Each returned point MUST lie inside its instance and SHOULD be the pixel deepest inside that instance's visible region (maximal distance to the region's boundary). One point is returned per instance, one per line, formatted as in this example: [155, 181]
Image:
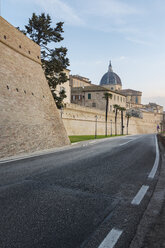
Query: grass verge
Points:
[77, 138]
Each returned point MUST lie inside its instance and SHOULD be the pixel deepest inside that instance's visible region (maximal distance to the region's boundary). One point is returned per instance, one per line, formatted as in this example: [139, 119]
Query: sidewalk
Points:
[151, 229]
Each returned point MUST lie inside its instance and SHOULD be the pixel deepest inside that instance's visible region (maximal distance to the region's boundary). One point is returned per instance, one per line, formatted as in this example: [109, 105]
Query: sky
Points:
[130, 33]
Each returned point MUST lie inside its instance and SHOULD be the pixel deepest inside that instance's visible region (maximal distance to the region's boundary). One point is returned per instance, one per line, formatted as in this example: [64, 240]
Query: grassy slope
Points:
[78, 138]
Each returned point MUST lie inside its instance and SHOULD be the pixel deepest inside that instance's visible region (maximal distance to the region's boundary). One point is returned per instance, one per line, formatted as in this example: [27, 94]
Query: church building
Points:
[112, 81]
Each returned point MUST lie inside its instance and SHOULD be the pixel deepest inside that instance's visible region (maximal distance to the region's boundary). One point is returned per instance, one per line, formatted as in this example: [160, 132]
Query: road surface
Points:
[91, 195]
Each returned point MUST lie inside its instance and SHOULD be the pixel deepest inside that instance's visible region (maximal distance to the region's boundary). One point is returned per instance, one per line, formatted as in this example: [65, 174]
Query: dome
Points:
[110, 78]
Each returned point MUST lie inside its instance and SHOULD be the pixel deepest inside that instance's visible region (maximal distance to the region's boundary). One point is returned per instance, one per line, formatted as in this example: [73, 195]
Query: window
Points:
[111, 88]
[118, 98]
[74, 98]
[110, 108]
[136, 99]
[89, 96]
[94, 104]
[121, 99]
[79, 97]
[114, 97]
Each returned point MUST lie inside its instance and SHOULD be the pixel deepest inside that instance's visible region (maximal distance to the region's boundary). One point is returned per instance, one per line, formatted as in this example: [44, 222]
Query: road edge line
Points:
[153, 209]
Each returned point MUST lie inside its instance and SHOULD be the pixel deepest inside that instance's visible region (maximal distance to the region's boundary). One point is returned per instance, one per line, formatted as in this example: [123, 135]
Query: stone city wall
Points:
[29, 119]
[80, 120]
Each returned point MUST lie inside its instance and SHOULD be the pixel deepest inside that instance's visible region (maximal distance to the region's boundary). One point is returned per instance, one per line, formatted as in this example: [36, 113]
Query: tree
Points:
[128, 116]
[54, 60]
[60, 98]
[106, 96]
[122, 109]
[116, 108]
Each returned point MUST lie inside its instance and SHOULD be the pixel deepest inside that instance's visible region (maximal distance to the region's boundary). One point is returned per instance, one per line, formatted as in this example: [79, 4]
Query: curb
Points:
[153, 209]
[54, 150]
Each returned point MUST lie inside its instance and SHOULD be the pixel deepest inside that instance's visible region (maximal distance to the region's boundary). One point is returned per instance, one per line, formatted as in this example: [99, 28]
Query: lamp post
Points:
[61, 110]
[96, 126]
[111, 126]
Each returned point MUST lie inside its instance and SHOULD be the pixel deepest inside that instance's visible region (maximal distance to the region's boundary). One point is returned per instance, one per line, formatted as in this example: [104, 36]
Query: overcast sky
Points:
[130, 33]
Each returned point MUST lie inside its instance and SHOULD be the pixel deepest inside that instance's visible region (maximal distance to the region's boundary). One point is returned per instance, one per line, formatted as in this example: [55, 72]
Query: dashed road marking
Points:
[111, 239]
[125, 143]
[139, 196]
[155, 167]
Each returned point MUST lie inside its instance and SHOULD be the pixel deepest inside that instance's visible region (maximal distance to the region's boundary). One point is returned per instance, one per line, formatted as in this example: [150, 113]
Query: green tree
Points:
[107, 96]
[122, 109]
[60, 98]
[116, 108]
[53, 59]
[128, 116]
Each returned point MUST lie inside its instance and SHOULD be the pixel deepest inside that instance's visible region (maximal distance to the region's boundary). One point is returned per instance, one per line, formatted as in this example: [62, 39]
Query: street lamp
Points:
[111, 126]
[96, 126]
[61, 110]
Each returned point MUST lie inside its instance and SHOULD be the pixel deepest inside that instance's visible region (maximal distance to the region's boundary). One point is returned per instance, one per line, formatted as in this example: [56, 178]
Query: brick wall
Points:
[29, 119]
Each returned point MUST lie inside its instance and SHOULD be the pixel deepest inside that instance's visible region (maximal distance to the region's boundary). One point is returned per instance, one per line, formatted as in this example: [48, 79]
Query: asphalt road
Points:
[83, 196]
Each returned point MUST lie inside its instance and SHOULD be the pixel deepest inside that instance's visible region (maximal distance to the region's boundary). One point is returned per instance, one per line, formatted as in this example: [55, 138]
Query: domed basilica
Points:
[111, 80]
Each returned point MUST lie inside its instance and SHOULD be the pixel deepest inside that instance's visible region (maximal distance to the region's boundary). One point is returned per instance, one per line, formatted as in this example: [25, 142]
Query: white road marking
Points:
[141, 193]
[111, 239]
[125, 143]
[75, 143]
[92, 142]
[155, 167]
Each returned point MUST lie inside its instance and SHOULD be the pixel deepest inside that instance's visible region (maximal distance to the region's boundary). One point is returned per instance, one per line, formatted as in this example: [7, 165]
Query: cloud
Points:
[138, 41]
[62, 11]
[110, 8]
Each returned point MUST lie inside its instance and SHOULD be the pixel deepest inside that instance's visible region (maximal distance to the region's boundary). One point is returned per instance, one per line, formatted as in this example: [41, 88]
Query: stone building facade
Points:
[133, 98]
[29, 119]
[66, 86]
[153, 107]
[79, 81]
[93, 97]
